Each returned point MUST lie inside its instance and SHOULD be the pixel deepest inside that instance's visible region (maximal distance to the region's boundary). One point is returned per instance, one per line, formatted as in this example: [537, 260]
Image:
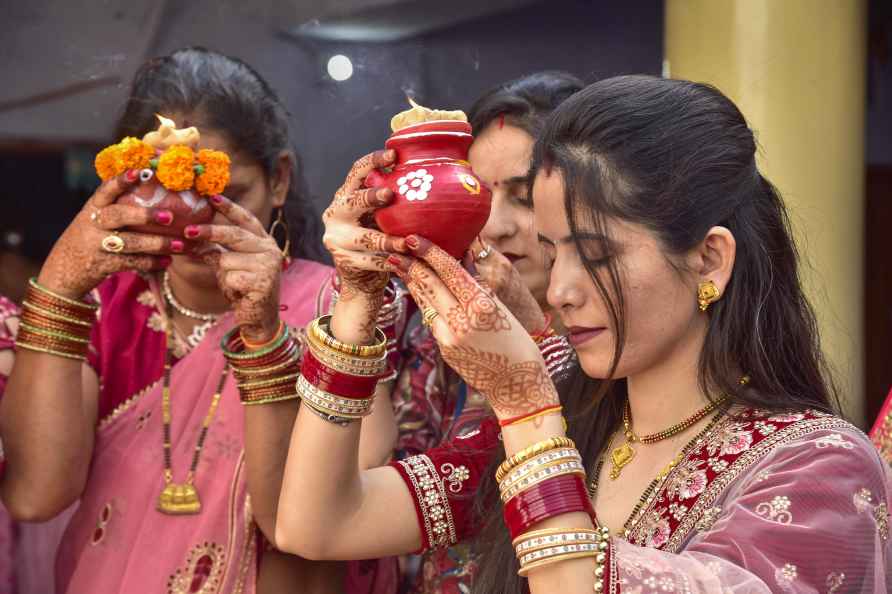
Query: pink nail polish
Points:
[191, 231]
[177, 246]
[164, 217]
[217, 199]
[132, 175]
[412, 242]
[164, 261]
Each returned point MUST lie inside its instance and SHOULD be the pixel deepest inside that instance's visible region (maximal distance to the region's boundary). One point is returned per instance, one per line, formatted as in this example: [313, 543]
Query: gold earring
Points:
[281, 222]
[707, 293]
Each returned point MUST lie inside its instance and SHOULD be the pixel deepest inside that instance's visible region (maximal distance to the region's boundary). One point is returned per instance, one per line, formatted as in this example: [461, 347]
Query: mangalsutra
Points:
[182, 498]
[199, 330]
[624, 454]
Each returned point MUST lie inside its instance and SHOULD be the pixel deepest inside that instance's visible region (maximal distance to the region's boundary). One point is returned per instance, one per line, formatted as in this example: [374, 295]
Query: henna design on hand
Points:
[511, 388]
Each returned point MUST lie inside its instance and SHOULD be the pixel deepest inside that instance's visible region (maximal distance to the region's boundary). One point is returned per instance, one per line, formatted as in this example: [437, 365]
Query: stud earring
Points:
[707, 294]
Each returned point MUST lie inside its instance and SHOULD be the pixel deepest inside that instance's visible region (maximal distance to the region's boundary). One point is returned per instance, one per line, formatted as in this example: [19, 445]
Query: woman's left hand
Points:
[248, 269]
[478, 337]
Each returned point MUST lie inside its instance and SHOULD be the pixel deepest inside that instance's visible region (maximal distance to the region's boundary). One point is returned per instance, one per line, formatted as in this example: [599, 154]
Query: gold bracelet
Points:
[547, 533]
[20, 344]
[269, 399]
[534, 450]
[52, 294]
[346, 363]
[321, 329]
[536, 464]
[549, 472]
[525, 569]
[275, 381]
[26, 305]
[346, 407]
[63, 336]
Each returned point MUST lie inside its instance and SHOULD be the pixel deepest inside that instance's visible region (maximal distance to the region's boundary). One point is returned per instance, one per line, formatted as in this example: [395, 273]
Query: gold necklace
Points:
[657, 482]
[624, 454]
[182, 498]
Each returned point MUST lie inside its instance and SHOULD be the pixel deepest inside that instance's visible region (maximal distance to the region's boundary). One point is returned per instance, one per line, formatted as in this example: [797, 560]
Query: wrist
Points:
[261, 336]
[57, 282]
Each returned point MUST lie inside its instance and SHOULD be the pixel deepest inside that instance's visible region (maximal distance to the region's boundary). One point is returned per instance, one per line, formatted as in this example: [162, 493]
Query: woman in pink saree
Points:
[116, 432]
[696, 450]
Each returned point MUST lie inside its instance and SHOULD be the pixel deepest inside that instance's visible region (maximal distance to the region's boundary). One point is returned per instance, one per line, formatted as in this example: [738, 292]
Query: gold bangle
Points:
[26, 305]
[332, 404]
[537, 463]
[275, 381]
[24, 345]
[74, 302]
[322, 330]
[546, 474]
[552, 532]
[51, 334]
[269, 399]
[525, 569]
[534, 450]
[345, 363]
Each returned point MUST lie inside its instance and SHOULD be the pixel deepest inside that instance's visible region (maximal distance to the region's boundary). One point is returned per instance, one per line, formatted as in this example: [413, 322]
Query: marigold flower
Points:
[175, 168]
[108, 162]
[135, 154]
[215, 176]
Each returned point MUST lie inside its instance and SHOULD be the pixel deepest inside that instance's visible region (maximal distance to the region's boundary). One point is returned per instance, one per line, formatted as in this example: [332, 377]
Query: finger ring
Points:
[428, 315]
[484, 253]
[113, 243]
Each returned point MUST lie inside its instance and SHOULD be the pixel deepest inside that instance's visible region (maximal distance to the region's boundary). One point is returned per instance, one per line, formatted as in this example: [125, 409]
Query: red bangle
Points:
[336, 382]
[539, 411]
[553, 497]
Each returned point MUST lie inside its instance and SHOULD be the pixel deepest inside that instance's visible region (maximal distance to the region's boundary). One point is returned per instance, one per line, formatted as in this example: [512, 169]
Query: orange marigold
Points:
[215, 176]
[175, 168]
[108, 162]
[135, 154]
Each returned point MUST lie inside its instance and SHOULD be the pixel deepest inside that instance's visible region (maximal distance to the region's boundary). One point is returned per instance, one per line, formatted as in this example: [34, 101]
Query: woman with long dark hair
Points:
[701, 452]
[172, 474]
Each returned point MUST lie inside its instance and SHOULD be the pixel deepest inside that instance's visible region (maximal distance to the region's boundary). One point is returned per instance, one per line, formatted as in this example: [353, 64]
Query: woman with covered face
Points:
[702, 452]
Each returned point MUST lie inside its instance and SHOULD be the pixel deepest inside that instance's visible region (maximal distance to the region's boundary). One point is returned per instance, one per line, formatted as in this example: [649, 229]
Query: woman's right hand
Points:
[78, 263]
[360, 252]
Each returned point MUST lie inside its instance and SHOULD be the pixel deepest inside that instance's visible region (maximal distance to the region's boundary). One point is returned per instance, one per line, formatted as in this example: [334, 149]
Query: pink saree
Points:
[881, 434]
[118, 541]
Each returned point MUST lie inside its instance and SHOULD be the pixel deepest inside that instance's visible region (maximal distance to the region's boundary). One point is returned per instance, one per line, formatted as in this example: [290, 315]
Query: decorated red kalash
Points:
[436, 195]
[174, 175]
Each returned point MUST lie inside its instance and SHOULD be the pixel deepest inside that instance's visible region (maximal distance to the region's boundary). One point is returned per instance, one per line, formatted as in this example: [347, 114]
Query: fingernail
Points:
[383, 196]
[390, 154]
[177, 246]
[164, 217]
[132, 175]
[164, 261]
[217, 199]
[191, 231]
[412, 242]
[396, 261]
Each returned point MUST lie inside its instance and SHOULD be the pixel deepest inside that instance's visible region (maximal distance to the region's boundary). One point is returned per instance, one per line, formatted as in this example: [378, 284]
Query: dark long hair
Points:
[678, 158]
[227, 95]
[524, 102]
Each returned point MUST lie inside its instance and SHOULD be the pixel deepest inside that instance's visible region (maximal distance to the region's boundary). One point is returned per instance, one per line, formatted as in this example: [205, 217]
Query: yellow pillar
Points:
[796, 69]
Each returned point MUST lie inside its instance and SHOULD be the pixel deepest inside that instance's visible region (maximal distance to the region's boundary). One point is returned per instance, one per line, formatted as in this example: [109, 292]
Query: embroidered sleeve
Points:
[443, 483]
[813, 516]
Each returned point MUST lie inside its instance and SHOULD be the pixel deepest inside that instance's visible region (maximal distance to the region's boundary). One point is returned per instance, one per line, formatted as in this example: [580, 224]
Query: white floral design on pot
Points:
[415, 185]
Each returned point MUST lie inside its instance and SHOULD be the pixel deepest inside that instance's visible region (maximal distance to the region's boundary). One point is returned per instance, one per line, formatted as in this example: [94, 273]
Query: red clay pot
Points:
[188, 208]
[437, 196]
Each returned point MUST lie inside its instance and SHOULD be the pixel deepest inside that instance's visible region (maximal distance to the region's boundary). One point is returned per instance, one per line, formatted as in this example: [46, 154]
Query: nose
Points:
[500, 225]
[564, 290]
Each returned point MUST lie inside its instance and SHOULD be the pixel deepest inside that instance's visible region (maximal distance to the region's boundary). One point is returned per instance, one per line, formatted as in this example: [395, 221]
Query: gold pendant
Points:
[178, 499]
[620, 457]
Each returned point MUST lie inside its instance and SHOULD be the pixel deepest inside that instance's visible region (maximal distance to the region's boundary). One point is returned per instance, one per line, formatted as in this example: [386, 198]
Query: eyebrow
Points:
[582, 236]
[516, 180]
